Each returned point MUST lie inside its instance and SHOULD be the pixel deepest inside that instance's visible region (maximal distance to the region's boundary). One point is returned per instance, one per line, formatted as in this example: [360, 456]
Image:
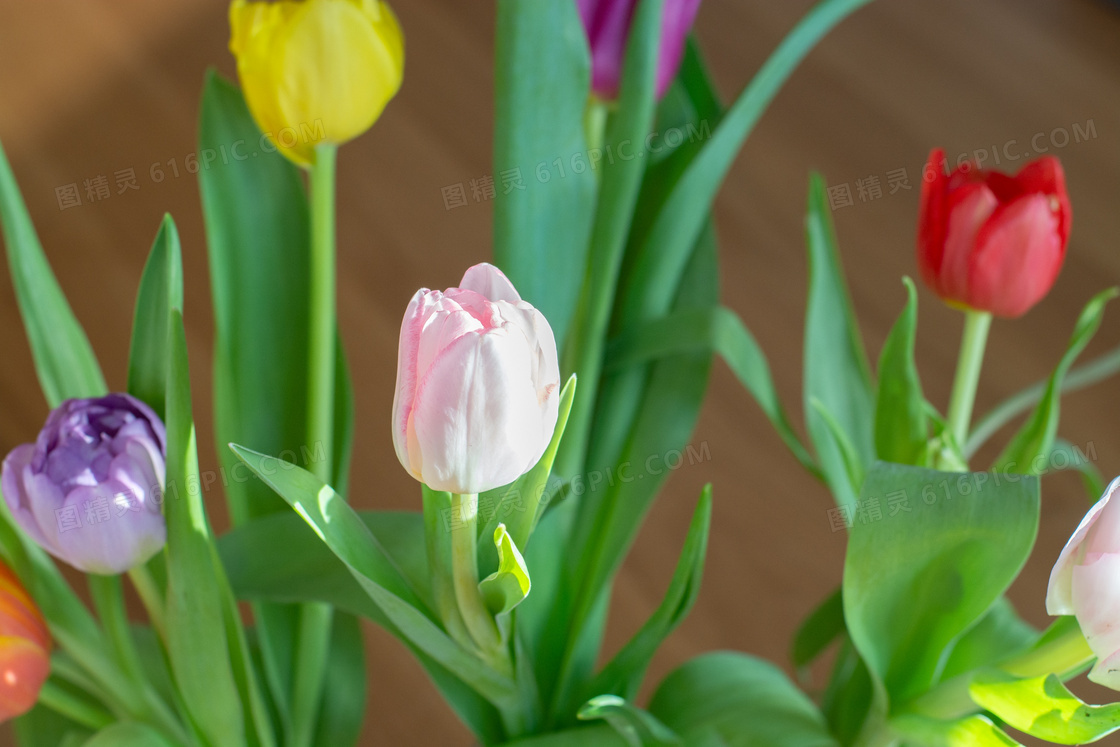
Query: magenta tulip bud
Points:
[608, 22]
[90, 489]
[477, 385]
[1086, 583]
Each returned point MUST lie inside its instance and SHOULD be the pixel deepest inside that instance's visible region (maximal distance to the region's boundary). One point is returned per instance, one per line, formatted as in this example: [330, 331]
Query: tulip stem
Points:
[108, 599]
[322, 333]
[313, 636]
[151, 598]
[464, 570]
[973, 341]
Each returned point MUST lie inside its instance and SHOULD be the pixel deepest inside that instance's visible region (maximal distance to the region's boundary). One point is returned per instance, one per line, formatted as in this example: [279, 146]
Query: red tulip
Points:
[989, 241]
[24, 648]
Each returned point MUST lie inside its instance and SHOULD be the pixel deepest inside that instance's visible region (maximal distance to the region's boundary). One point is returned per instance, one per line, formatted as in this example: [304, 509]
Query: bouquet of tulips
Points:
[584, 348]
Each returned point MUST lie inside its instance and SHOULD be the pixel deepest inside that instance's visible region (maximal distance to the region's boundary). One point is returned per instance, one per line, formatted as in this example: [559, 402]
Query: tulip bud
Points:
[24, 648]
[477, 385]
[89, 489]
[989, 241]
[608, 22]
[316, 71]
[1086, 582]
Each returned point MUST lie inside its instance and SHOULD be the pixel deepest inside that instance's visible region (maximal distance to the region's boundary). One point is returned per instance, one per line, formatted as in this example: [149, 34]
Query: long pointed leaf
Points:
[836, 370]
[63, 357]
[901, 423]
[623, 675]
[161, 289]
[1036, 437]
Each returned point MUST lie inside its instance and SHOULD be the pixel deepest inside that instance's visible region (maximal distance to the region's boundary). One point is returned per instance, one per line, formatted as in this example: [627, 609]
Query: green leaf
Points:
[543, 72]
[1043, 707]
[1036, 437]
[973, 731]
[308, 571]
[741, 700]
[637, 727]
[339, 527]
[623, 675]
[850, 459]
[63, 357]
[836, 370]
[161, 289]
[344, 691]
[196, 630]
[661, 424]
[585, 736]
[665, 242]
[823, 626]
[999, 635]
[1072, 457]
[850, 694]
[718, 330]
[42, 726]
[504, 589]
[901, 423]
[127, 734]
[915, 582]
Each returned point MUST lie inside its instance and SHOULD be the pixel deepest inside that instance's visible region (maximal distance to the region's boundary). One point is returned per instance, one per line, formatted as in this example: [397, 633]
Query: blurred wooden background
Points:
[89, 88]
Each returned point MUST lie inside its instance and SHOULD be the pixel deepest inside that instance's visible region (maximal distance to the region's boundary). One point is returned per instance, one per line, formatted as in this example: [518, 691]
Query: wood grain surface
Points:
[91, 88]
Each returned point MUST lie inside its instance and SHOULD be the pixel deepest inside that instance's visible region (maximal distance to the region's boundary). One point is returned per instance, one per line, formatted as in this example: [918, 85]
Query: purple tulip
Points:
[89, 489]
[608, 27]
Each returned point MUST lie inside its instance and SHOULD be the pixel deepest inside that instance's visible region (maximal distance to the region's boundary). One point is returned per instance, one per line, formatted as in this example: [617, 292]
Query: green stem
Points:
[464, 571]
[151, 598]
[583, 352]
[973, 341]
[321, 315]
[77, 709]
[313, 638]
[108, 599]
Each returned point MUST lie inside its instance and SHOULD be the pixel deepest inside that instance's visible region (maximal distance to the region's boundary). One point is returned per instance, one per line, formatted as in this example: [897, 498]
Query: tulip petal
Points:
[477, 418]
[677, 18]
[1096, 597]
[490, 282]
[408, 349]
[932, 219]
[1059, 594]
[13, 487]
[969, 208]
[112, 538]
[1017, 258]
[24, 667]
[1106, 671]
[333, 69]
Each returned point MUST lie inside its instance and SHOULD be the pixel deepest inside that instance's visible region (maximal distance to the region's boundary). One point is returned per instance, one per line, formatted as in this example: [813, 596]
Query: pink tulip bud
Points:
[24, 648]
[477, 385]
[1086, 583]
[607, 23]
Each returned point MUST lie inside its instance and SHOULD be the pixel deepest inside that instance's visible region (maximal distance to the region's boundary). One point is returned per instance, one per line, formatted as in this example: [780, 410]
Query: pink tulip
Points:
[477, 385]
[1086, 583]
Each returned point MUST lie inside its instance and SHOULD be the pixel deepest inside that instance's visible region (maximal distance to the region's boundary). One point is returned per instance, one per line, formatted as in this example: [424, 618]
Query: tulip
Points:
[477, 385]
[1086, 582]
[24, 648]
[316, 71]
[89, 490]
[607, 23]
[992, 242]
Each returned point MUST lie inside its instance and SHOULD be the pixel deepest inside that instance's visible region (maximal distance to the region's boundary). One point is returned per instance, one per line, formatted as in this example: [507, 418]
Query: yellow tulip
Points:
[316, 71]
